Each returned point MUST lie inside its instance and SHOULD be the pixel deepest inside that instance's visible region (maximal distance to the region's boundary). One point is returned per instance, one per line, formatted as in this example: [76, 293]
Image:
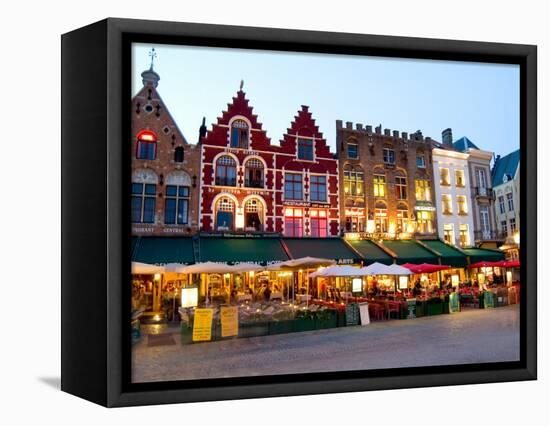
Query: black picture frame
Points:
[95, 217]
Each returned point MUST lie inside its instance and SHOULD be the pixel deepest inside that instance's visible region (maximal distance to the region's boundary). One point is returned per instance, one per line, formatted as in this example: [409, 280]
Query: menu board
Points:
[230, 320]
[352, 314]
[202, 324]
[454, 303]
[364, 313]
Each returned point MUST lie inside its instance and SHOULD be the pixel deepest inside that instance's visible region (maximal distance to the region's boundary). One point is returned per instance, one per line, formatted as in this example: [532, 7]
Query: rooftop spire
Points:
[152, 55]
[150, 77]
[241, 86]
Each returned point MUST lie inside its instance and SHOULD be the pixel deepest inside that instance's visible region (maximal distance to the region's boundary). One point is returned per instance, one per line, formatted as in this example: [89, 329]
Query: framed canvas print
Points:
[253, 212]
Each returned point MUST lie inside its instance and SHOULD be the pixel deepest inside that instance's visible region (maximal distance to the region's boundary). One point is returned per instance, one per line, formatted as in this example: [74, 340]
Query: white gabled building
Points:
[453, 196]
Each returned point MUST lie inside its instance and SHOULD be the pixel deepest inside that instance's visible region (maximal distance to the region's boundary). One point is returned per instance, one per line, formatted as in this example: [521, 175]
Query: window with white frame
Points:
[318, 223]
[510, 199]
[293, 186]
[501, 204]
[239, 134]
[318, 188]
[294, 225]
[449, 233]
[388, 156]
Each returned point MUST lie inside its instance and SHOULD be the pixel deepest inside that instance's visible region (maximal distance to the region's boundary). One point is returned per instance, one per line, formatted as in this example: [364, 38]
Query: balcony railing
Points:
[489, 235]
[484, 192]
[249, 183]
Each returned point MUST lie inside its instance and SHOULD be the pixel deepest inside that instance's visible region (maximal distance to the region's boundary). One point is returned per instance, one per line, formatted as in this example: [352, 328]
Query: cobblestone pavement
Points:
[472, 336]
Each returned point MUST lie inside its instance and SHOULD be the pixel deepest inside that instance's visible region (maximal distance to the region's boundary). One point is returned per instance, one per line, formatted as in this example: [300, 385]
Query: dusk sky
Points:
[480, 101]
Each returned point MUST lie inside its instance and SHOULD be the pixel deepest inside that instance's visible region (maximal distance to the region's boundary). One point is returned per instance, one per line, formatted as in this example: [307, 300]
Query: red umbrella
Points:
[425, 268]
[509, 263]
[484, 264]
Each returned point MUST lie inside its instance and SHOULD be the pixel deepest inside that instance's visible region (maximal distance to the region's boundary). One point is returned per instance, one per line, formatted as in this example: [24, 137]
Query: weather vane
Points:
[242, 84]
[152, 55]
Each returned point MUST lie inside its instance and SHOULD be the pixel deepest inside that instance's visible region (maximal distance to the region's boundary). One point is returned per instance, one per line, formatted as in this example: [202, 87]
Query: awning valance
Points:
[326, 248]
[449, 254]
[163, 250]
[483, 255]
[370, 252]
[254, 250]
[409, 251]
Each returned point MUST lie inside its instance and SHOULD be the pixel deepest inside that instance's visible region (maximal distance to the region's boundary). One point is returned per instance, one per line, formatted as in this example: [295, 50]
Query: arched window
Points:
[146, 145]
[226, 171]
[253, 215]
[225, 214]
[178, 154]
[239, 134]
[176, 201]
[254, 173]
[144, 194]
[381, 217]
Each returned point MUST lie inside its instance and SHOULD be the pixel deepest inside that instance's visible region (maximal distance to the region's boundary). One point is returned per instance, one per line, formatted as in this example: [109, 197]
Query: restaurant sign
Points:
[230, 320]
[454, 303]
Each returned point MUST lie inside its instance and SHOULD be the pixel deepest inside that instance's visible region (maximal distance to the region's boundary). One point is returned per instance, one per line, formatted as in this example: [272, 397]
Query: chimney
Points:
[447, 137]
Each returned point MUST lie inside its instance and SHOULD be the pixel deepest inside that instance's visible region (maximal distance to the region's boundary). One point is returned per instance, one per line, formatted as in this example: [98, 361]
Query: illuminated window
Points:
[381, 217]
[462, 206]
[146, 146]
[293, 222]
[226, 171]
[459, 178]
[253, 215]
[254, 173]
[354, 182]
[293, 186]
[402, 218]
[424, 221]
[239, 134]
[318, 188]
[318, 223]
[422, 190]
[401, 187]
[379, 185]
[355, 220]
[447, 204]
[225, 214]
[449, 233]
[464, 236]
[444, 177]
[305, 149]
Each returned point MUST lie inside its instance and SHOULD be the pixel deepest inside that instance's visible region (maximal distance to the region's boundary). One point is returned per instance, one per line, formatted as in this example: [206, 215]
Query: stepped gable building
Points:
[249, 185]
[387, 186]
[165, 167]
[307, 181]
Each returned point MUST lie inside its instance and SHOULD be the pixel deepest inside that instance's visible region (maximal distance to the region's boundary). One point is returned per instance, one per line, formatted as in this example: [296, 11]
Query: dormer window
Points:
[305, 149]
[239, 134]
[146, 146]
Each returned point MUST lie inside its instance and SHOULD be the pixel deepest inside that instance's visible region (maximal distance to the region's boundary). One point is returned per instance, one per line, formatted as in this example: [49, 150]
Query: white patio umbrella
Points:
[205, 268]
[340, 271]
[377, 269]
[247, 267]
[398, 270]
[306, 262]
[146, 268]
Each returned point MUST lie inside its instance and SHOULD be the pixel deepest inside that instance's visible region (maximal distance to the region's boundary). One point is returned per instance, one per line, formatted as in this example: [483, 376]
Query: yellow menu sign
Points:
[230, 321]
[202, 325]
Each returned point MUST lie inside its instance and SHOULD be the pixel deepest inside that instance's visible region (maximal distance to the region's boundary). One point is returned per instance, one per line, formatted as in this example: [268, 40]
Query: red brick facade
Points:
[244, 177]
[165, 168]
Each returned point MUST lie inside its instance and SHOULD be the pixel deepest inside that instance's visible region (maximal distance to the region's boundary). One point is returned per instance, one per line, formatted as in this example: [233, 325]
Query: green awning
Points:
[487, 255]
[326, 248]
[449, 254]
[371, 252]
[162, 250]
[409, 251]
[231, 249]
